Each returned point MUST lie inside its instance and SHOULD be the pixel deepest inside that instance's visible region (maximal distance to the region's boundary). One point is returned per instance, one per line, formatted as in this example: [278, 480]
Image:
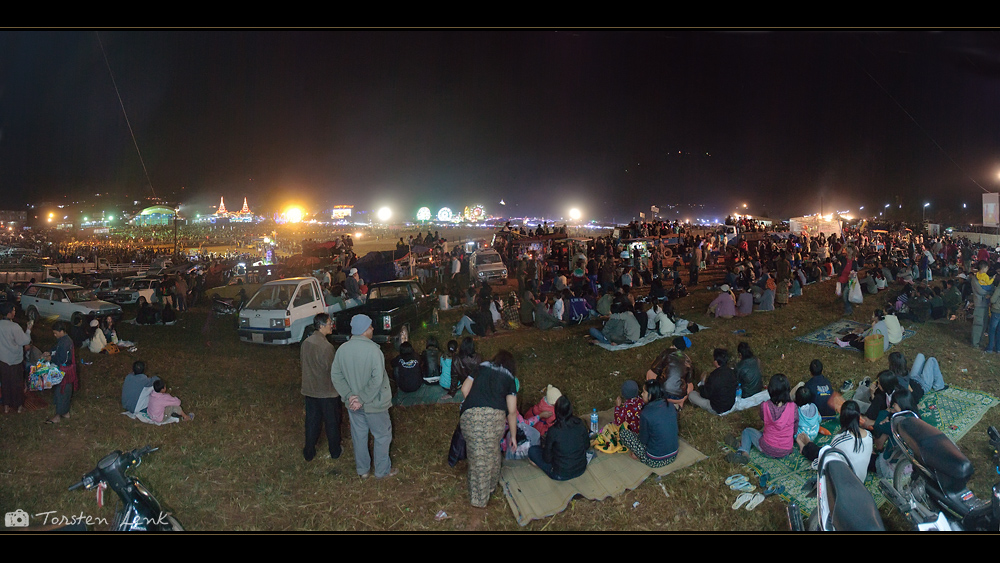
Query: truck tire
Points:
[403, 336]
[77, 317]
[32, 314]
[667, 253]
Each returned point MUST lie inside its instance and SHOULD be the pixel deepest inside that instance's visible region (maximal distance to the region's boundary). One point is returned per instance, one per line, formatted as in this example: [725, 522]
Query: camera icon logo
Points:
[16, 519]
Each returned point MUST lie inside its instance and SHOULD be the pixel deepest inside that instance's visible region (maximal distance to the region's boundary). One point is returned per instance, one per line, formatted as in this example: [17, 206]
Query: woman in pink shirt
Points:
[162, 404]
[781, 418]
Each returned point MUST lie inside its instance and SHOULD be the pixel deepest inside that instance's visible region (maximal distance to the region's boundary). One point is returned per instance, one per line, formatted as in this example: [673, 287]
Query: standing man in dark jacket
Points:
[322, 400]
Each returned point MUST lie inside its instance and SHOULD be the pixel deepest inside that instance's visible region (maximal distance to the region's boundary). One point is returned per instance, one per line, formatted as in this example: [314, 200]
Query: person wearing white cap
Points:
[360, 378]
[352, 285]
[724, 306]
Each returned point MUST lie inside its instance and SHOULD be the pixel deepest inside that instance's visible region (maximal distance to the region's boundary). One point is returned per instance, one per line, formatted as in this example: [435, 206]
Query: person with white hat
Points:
[724, 306]
[360, 378]
[352, 285]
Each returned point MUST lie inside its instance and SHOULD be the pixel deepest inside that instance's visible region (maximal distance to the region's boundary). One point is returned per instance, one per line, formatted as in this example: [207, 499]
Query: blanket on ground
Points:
[532, 495]
[827, 335]
[681, 329]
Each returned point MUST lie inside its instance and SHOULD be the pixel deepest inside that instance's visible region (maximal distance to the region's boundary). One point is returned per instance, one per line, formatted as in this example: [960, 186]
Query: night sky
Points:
[608, 121]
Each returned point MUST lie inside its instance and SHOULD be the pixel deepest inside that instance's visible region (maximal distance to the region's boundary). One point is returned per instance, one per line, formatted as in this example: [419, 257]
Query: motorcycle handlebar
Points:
[135, 455]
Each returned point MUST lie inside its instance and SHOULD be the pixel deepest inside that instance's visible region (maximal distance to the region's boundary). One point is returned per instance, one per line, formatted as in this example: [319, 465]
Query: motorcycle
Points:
[138, 511]
[929, 478]
[223, 307]
[843, 504]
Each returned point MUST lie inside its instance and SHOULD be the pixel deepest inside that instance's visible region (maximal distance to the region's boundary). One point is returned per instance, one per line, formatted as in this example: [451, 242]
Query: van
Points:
[280, 311]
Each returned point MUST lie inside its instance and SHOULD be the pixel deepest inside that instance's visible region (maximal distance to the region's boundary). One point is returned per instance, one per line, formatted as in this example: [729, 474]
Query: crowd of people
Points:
[932, 279]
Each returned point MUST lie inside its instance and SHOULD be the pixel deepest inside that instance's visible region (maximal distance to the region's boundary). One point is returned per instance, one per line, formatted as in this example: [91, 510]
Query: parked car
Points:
[138, 286]
[66, 302]
[486, 265]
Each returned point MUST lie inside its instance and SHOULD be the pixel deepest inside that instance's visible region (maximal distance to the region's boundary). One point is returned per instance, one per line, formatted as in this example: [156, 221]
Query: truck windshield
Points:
[487, 259]
[272, 297]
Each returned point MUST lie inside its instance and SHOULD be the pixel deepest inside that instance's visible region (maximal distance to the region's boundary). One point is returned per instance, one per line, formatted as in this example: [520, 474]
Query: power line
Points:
[127, 122]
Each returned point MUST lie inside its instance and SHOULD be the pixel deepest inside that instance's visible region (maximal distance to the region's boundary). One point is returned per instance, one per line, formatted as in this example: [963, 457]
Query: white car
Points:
[66, 302]
[138, 287]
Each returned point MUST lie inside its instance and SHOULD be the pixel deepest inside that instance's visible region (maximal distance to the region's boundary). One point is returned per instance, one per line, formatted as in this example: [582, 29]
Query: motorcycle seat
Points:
[854, 509]
[936, 452]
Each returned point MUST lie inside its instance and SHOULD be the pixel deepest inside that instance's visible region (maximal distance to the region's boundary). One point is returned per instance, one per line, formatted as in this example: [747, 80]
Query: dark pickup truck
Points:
[394, 307]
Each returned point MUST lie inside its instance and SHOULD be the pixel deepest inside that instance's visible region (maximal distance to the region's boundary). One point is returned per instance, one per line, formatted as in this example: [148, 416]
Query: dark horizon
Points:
[610, 122]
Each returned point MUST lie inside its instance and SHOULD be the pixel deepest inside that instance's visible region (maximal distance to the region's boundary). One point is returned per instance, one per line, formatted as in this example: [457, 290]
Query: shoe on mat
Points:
[763, 479]
[847, 386]
[772, 490]
[738, 458]
[741, 500]
[744, 486]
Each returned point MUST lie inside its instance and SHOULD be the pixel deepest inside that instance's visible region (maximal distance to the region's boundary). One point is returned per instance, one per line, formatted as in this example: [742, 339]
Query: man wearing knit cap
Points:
[358, 373]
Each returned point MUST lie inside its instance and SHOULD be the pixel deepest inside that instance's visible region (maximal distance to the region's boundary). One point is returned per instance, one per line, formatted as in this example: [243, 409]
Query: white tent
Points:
[813, 225]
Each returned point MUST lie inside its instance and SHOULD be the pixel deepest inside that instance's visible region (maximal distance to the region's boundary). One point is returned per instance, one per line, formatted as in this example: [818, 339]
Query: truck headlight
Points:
[277, 323]
[244, 321]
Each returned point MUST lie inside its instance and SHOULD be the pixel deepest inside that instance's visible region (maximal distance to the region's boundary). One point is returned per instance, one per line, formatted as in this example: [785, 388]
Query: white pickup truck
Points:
[281, 309]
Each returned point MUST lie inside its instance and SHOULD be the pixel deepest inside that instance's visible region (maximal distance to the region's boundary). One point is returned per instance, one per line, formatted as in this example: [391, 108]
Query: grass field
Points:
[238, 465]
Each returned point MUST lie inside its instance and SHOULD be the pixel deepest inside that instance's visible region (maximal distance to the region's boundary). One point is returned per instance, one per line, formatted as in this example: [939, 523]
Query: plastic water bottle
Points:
[739, 391]
[593, 422]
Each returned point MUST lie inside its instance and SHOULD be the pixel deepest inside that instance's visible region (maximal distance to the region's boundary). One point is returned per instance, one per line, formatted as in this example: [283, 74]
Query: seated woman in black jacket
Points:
[563, 453]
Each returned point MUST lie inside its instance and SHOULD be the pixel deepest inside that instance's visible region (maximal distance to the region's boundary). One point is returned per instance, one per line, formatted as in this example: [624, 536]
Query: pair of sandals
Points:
[740, 482]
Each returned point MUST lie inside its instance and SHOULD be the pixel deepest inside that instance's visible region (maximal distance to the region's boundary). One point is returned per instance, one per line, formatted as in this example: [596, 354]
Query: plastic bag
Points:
[838, 289]
[44, 375]
[855, 296]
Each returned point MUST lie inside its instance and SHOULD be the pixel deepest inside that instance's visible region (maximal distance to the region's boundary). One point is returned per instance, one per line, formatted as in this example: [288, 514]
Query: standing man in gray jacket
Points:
[321, 397]
[359, 375]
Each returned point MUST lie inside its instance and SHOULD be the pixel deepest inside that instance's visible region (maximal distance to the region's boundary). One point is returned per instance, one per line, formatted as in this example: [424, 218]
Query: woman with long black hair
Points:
[563, 453]
[854, 441]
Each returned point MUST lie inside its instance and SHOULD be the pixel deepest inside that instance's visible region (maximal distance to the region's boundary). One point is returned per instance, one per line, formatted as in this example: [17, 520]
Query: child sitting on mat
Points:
[809, 417]
[542, 415]
[628, 406]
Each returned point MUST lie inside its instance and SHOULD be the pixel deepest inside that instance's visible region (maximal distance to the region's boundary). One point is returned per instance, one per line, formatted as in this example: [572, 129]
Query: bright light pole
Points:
[924, 218]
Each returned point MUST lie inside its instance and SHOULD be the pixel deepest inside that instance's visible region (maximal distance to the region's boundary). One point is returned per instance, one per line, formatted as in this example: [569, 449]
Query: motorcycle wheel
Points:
[901, 478]
[175, 526]
[812, 523]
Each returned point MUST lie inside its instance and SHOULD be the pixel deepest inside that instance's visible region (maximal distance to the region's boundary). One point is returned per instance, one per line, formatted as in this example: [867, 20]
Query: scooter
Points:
[843, 504]
[139, 511]
[929, 477]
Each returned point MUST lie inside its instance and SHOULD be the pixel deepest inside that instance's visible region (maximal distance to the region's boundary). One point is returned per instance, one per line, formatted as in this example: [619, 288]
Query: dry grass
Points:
[238, 466]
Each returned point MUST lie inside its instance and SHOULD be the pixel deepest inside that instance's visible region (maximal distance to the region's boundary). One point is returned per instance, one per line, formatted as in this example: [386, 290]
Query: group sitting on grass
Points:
[864, 421]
